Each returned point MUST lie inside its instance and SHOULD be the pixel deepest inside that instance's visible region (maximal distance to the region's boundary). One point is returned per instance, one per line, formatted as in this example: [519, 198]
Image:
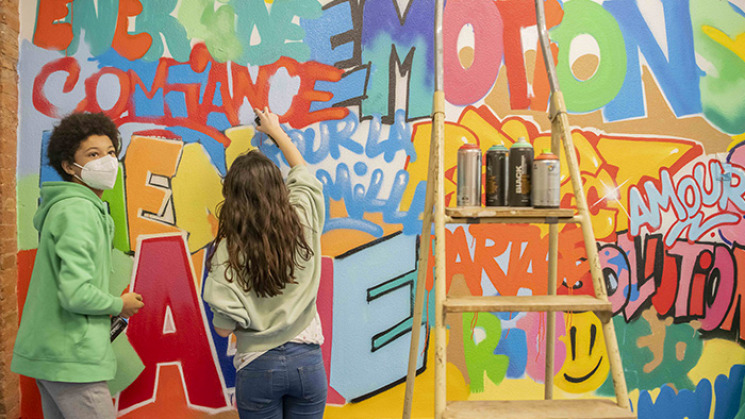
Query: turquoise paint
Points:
[98, 24]
[382, 56]
[156, 20]
[279, 36]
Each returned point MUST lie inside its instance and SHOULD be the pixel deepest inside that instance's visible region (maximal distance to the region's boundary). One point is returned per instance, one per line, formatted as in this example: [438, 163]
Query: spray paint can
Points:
[469, 175]
[546, 180]
[496, 176]
[519, 174]
[118, 324]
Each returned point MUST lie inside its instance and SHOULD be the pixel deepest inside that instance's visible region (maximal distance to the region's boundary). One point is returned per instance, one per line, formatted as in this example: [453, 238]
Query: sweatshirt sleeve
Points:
[77, 239]
[306, 192]
[224, 301]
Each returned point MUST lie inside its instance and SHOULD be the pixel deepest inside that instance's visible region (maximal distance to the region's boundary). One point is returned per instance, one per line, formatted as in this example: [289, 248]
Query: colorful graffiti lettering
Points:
[201, 94]
[688, 281]
[479, 348]
[107, 26]
[176, 328]
[657, 352]
[377, 351]
[690, 198]
[656, 97]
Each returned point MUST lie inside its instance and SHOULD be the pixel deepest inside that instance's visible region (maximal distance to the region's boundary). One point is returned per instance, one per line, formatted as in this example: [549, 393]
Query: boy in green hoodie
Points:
[63, 340]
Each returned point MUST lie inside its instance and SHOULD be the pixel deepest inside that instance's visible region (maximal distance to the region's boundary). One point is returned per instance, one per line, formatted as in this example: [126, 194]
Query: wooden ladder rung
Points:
[514, 215]
[533, 303]
[548, 409]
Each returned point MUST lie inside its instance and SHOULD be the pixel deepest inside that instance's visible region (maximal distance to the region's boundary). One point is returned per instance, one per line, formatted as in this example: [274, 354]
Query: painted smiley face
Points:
[586, 365]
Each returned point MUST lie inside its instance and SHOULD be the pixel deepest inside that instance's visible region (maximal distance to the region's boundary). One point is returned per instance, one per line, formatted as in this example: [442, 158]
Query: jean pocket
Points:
[313, 382]
[253, 389]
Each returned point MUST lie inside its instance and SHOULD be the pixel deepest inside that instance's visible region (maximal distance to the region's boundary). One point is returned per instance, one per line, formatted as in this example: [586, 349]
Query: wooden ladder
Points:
[551, 303]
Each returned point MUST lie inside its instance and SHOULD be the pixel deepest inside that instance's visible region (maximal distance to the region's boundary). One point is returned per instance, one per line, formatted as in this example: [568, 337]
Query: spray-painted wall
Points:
[656, 91]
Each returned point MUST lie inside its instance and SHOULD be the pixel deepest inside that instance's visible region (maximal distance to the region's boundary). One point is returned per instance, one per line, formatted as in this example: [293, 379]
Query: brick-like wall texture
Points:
[9, 26]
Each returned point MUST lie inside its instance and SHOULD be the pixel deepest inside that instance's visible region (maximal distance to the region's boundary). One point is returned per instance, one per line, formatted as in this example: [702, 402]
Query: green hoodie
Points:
[64, 331]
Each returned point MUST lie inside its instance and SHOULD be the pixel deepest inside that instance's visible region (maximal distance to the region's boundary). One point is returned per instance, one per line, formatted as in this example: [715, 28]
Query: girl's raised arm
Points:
[268, 123]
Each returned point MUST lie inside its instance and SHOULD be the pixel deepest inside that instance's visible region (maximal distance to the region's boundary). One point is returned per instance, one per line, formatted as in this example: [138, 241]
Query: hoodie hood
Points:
[54, 192]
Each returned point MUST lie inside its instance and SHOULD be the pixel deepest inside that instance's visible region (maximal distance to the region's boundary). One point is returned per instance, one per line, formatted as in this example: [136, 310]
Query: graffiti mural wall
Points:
[656, 94]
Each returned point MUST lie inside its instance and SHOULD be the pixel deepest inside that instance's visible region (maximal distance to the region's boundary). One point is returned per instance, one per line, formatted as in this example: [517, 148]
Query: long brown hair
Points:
[262, 231]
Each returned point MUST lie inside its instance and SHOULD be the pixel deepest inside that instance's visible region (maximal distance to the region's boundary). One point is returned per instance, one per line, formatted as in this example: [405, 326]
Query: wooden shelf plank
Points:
[467, 212]
[548, 409]
[509, 215]
[534, 303]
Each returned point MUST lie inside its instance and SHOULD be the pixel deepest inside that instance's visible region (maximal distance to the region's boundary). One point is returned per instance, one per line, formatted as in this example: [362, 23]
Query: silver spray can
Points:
[469, 176]
[546, 180]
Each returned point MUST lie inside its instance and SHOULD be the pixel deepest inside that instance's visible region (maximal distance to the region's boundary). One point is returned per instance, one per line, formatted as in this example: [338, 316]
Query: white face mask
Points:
[100, 173]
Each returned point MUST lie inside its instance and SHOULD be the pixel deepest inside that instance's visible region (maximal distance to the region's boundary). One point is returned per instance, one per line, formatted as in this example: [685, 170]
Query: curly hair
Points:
[262, 230]
[73, 130]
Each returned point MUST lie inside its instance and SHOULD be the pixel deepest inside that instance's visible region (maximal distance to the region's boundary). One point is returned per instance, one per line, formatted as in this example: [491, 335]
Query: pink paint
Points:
[535, 338]
[325, 306]
[724, 264]
[465, 86]
[732, 232]
[689, 259]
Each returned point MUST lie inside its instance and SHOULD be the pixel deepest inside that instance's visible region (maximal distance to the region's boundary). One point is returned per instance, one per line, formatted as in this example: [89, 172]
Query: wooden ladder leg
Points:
[553, 261]
[438, 128]
[435, 196]
[553, 255]
[440, 279]
[561, 124]
[421, 279]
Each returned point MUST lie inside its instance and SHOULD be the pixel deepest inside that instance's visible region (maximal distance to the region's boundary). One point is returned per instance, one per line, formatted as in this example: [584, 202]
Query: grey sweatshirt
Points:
[264, 323]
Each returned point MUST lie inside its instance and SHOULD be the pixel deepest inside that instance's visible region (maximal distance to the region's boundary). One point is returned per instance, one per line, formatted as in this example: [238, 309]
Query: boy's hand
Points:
[132, 304]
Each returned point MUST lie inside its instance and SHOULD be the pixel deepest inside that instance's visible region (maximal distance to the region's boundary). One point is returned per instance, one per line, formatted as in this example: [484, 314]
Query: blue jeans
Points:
[288, 381]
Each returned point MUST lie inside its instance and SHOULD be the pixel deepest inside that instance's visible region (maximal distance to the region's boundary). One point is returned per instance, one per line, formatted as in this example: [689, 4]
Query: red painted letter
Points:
[164, 277]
